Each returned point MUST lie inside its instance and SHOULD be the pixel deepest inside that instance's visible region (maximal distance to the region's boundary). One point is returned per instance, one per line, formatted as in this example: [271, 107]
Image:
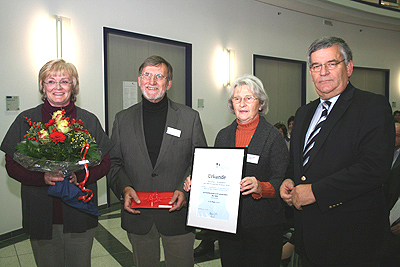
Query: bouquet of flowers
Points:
[61, 145]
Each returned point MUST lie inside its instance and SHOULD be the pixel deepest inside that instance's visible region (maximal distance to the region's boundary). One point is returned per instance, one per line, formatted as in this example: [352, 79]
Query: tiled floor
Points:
[111, 246]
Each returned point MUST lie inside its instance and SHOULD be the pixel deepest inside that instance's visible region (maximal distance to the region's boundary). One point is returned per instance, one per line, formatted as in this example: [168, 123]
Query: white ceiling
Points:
[344, 11]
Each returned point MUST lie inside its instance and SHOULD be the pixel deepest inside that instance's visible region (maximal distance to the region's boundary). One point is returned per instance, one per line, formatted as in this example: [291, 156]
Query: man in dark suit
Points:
[154, 142]
[335, 175]
[392, 193]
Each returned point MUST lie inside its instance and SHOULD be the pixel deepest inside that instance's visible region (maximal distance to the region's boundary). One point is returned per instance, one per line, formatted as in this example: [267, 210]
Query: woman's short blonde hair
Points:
[59, 67]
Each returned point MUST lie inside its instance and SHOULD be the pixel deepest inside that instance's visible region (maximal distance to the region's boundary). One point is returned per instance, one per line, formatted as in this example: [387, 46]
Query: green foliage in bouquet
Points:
[60, 139]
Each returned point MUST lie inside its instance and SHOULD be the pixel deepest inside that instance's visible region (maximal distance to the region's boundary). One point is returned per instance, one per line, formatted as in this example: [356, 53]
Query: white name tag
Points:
[253, 158]
[174, 132]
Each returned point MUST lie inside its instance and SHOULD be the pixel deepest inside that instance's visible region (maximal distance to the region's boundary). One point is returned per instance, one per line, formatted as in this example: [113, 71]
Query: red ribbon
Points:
[154, 198]
[81, 185]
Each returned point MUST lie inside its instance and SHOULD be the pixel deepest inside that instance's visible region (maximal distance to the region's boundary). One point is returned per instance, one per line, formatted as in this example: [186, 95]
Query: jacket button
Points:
[153, 175]
[303, 178]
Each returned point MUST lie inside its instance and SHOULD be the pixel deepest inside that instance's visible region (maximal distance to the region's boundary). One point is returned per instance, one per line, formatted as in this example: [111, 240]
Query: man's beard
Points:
[159, 95]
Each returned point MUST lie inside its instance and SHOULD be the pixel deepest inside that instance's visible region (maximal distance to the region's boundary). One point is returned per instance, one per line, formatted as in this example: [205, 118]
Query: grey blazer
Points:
[269, 145]
[131, 165]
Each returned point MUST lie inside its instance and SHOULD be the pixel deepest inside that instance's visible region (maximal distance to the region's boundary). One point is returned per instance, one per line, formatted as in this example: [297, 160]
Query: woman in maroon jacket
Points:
[60, 234]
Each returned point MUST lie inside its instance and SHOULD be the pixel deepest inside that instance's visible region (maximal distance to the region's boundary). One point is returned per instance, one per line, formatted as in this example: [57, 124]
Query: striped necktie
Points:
[311, 139]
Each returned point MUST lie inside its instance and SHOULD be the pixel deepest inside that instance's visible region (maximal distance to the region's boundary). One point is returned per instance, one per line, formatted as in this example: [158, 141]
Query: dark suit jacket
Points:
[349, 163]
[269, 145]
[131, 165]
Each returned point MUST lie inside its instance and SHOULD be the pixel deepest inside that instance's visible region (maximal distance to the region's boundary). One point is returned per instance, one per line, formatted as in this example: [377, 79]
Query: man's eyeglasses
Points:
[157, 77]
[330, 66]
[248, 99]
[62, 83]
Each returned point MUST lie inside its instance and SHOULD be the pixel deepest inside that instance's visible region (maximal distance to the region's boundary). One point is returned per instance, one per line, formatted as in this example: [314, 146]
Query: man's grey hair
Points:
[329, 41]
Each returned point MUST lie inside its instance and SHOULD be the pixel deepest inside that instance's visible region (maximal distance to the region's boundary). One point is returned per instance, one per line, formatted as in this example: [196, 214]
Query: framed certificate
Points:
[215, 190]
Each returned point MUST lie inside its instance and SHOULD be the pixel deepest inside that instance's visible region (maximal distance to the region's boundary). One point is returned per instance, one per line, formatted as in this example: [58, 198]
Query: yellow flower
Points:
[62, 126]
[57, 116]
[43, 136]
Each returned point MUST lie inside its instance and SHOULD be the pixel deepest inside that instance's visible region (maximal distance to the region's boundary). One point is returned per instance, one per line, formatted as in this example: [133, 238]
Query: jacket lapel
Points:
[172, 121]
[231, 137]
[260, 136]
[138, 132]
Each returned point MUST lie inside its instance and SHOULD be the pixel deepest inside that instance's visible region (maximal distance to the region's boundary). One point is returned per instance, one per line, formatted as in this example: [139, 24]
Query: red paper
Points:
[153, 200]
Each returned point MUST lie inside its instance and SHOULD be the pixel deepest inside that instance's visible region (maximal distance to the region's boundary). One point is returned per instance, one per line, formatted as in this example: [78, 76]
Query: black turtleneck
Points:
[154, 118]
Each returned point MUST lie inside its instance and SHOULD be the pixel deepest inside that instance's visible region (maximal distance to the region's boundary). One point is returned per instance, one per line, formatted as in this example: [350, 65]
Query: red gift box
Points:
[153, 200]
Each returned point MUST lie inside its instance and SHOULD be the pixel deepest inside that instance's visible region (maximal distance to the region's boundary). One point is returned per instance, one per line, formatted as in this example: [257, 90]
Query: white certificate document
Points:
[215, 191]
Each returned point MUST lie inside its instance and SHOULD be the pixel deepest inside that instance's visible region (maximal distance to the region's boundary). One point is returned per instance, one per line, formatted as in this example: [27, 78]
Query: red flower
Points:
[50, 123]
[57, 137]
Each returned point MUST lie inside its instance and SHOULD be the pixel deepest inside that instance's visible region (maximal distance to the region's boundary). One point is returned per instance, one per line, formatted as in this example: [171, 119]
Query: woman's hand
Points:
[250, 185]
[50, 179]
[73, 179]
[188, 184]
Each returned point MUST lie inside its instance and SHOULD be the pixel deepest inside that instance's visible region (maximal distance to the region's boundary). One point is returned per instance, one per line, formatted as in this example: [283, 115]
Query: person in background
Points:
[396, 116]
[258, 241]
[392, 194]
[282, 128]
[290, 125]
[154, 144]
[337, 167]
[60, 235]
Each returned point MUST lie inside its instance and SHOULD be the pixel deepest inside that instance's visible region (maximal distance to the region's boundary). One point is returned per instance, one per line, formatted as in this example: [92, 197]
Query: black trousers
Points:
[260, 246]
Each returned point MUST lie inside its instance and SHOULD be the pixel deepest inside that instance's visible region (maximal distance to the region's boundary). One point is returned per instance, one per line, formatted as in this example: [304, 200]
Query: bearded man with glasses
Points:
[154, 141]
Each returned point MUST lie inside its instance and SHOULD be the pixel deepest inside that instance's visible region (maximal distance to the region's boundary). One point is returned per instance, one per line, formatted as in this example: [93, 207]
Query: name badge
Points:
[174, 132]
[253, 158]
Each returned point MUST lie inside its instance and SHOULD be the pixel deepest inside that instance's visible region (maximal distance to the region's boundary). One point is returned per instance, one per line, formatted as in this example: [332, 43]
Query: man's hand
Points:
[177, 200]
[286, 191]
[250, 185]
[302, 195]
[130, 195]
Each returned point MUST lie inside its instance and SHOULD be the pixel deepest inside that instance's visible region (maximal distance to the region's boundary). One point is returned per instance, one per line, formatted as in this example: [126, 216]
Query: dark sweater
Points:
[154, 118]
